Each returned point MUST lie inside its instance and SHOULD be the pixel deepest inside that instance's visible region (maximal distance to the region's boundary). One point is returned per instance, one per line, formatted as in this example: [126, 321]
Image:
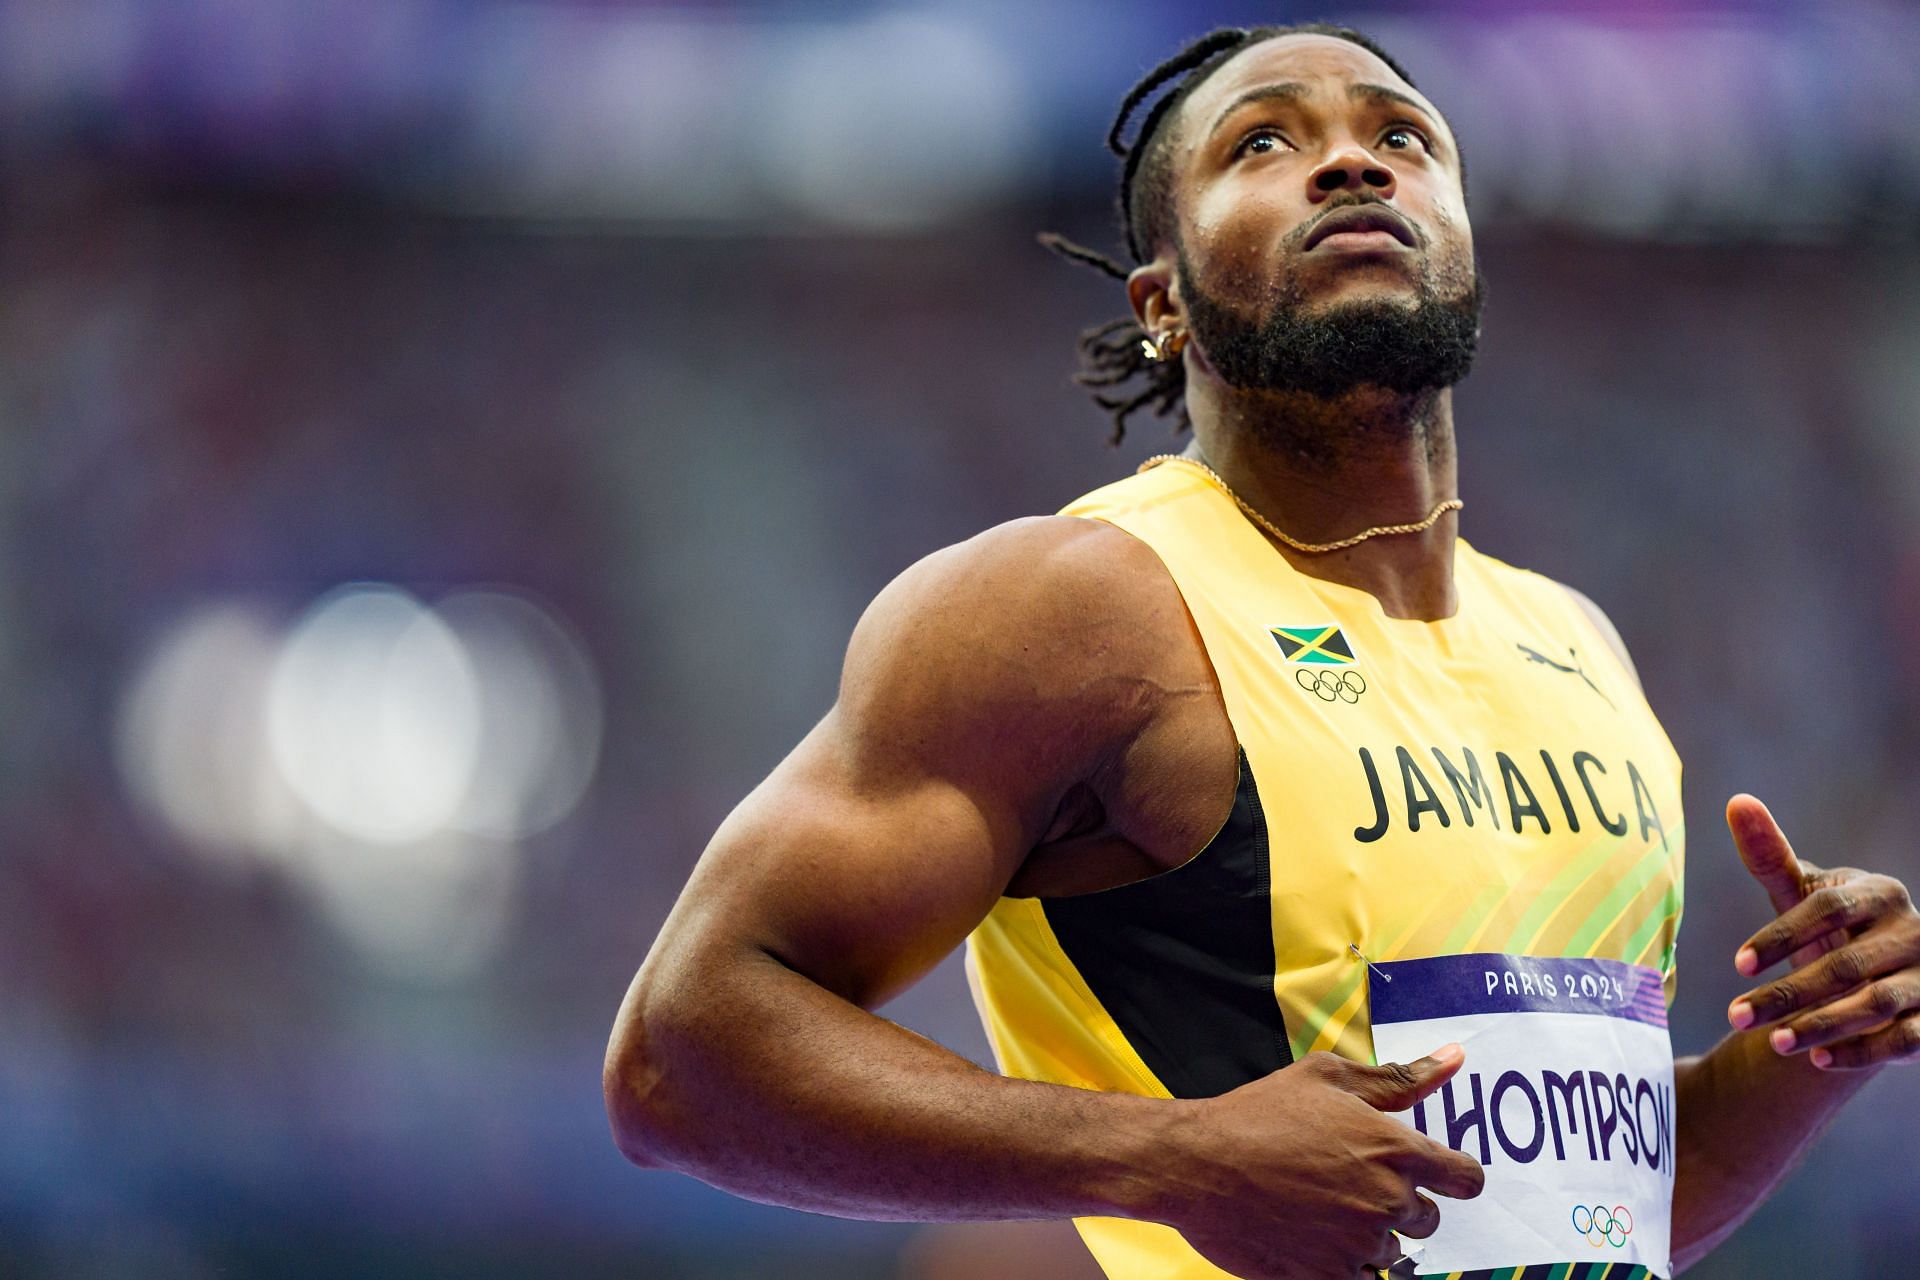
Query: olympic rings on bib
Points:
[1347, 686]
[1601, 1225]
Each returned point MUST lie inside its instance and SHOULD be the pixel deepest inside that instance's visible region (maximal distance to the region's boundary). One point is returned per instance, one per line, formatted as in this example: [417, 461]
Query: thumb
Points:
[1394, 1086]
[1764, 848]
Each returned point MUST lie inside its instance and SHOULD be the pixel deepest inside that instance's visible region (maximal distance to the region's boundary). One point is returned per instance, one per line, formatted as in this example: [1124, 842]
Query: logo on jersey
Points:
[1315, 646]
[1346, 686]
[1534, 655]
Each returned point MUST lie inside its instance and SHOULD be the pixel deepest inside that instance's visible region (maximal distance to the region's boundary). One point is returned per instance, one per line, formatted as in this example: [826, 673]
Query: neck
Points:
[1323, 470]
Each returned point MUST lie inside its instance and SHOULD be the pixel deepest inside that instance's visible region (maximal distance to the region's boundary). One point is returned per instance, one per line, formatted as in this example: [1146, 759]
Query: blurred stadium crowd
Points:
[447, 445]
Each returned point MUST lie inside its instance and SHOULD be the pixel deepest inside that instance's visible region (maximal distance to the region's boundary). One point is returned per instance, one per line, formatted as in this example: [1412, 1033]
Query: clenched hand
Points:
[1299, 1175]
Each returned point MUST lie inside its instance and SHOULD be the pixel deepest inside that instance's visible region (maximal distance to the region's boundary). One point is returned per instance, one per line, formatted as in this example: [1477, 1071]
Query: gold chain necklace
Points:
[1307, 548]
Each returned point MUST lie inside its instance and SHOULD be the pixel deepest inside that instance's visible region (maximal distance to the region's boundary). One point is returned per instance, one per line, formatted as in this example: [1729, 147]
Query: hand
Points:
[1299, 1175]
[1853, 997]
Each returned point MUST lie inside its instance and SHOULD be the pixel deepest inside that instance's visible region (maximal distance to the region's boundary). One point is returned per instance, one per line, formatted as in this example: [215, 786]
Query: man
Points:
[1240, 770]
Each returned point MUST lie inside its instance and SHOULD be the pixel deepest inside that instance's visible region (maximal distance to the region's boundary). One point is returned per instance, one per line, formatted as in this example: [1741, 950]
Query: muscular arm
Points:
[1038, 680]
[978, 689]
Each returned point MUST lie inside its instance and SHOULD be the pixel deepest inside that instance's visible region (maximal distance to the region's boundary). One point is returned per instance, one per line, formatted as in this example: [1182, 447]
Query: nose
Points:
[1351, 168]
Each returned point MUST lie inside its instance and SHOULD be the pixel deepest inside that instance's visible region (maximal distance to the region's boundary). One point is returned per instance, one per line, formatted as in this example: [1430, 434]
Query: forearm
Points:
[1745, 1115]
[762, 1083]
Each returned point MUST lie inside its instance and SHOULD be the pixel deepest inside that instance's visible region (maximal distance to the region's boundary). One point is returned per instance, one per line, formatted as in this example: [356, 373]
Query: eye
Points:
[1262, 141]
[1402, 136]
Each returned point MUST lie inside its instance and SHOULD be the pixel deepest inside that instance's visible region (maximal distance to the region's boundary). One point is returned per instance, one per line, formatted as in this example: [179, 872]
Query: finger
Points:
[1450, 1173]
[1834, 908]
[1423, 1221]
[1873, 1006]
[1832, 975]
[1764, 848]
[1811, 878]
[1394, 1086]
[1899, 1043]
[1386, 1252]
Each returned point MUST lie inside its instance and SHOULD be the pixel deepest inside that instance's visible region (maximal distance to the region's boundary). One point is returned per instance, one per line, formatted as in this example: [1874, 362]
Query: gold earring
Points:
[1166, 346]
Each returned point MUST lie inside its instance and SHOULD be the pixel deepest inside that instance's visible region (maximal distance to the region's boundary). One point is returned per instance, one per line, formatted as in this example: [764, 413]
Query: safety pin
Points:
[1384, 975]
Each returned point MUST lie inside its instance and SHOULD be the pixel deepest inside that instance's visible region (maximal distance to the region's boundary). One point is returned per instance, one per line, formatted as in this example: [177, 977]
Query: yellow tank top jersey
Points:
[1490, 782]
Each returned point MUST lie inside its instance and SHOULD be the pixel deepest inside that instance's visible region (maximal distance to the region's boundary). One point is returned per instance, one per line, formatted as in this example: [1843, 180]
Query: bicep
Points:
[860, 883]
[978, 688]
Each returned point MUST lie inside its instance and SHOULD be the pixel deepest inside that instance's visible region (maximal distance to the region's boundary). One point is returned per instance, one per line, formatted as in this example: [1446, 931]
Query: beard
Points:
[1334, 351]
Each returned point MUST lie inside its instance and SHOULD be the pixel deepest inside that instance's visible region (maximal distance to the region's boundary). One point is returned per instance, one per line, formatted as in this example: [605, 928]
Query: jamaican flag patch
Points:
[1322, 646]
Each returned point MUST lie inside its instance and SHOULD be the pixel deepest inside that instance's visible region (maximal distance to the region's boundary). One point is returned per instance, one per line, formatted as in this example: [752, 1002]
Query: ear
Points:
[1153, 291]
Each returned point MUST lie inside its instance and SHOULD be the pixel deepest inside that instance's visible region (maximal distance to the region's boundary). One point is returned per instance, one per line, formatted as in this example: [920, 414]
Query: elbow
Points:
[635, 1131]
[663, 1064]
[633, 1082]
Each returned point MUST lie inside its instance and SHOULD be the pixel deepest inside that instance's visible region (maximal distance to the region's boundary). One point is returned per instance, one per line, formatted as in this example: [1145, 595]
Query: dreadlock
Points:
[1115, 354]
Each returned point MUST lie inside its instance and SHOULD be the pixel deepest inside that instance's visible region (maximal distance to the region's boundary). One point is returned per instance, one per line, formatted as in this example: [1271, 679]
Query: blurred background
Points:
[444, 446]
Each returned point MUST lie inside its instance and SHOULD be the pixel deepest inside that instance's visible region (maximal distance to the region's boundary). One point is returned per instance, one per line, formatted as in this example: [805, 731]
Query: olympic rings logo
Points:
[1347, 686]
[1601, 1225]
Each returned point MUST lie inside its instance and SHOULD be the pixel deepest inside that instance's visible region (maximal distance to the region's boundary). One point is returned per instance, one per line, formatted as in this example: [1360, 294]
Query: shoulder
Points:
[1604, 625]
[1031, 585]
[1036, 560]
[1030, 633]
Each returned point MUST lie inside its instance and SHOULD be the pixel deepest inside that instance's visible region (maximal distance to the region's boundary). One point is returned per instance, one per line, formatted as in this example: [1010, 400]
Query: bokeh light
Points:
[373, 715]
[387, 756]
[540, 713]
[189, 736]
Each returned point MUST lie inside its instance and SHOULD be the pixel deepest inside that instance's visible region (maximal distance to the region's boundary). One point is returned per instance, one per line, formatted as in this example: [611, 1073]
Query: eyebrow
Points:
[1381, 93]
[1292, 90]
[1286, 91]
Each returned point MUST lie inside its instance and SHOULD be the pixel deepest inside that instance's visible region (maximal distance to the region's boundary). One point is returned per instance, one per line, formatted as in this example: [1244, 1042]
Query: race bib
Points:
[1566, 1098]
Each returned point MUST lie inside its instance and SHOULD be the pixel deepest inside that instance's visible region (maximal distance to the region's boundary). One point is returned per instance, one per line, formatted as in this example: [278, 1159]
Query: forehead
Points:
[1326, 65]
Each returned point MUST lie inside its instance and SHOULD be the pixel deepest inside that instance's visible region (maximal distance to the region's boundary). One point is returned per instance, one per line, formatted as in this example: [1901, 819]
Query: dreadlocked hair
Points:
[1114, 357]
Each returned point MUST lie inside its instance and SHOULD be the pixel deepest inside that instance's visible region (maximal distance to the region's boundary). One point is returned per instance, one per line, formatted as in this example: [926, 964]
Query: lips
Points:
[1374, 217]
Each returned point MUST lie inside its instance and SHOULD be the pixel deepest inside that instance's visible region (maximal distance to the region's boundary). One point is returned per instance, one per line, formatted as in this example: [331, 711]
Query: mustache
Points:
[1296, 239]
